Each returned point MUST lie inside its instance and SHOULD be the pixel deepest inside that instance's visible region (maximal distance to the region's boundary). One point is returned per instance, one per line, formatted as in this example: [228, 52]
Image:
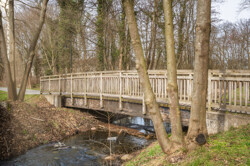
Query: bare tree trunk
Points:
[197, 125]
[159, 51]
[181, 34]
[32, 52]
[172, 88]
[82, 33]
[150, 99]
[121, 57]
[12, 40]
[11, 87]
[153, 31]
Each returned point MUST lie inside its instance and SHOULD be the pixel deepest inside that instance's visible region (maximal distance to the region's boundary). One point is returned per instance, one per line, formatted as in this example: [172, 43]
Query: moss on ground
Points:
[228, 148]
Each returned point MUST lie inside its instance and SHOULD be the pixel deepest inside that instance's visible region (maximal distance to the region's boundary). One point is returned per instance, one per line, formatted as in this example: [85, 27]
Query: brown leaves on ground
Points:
[24, 126]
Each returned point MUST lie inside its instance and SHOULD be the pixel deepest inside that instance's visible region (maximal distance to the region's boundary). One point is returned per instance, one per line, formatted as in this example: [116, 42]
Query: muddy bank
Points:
[26, 125]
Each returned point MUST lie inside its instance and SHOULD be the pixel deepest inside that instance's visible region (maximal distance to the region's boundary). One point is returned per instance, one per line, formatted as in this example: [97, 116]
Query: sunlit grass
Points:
[228, 148]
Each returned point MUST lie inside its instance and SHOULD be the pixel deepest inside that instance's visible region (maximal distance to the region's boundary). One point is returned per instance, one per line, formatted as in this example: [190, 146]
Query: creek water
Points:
[89, 148]
[143, 125]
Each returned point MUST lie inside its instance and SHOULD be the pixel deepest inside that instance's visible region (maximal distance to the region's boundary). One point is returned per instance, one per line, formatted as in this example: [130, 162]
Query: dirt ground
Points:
[26, 125]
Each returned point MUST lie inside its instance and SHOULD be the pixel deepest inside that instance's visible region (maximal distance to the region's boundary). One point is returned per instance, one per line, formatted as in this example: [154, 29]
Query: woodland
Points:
[43, 37]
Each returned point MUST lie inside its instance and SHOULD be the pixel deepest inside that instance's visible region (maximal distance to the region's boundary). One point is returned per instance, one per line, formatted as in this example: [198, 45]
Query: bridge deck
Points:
[227, 90]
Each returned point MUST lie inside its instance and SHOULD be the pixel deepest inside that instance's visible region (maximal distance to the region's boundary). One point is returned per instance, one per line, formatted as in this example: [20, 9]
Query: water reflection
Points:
[142, 124]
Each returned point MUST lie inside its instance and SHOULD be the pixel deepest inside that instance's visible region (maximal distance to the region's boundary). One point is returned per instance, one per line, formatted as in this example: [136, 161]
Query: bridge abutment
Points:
[55, 100]
[223, 121]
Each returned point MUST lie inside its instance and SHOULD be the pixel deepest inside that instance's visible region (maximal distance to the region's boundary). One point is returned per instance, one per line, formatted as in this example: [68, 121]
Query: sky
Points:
[229, 11]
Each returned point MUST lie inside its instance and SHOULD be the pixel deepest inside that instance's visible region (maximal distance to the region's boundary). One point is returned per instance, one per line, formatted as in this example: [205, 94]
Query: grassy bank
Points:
[228, 148]
[25, 125]
[4, 96]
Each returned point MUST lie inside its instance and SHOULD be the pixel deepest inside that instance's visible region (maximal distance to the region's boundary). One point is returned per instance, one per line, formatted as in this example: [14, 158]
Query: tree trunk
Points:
[11, 88]
[82, 33]
[12, 40]
[150, 99]
[172, 88]
[181, 34]
[197, 125]
[153, 31]
[32, 52]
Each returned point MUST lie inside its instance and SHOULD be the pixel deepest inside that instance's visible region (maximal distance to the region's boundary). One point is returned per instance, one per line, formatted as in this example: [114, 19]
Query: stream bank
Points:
[27, 125]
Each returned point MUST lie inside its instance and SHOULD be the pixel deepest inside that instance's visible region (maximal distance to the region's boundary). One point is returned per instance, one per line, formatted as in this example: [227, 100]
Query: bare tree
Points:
[31, 51]
[172, 88]
[150, 100]
[12, 55]
[11, 87]
[197, 125]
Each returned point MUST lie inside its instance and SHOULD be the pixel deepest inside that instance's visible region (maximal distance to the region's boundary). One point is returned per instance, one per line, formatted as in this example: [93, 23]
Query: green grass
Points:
[150, 153]
[228, 148]
[4, 96]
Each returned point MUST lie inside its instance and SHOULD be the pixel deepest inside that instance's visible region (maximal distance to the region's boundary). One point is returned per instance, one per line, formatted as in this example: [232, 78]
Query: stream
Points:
[89, 148]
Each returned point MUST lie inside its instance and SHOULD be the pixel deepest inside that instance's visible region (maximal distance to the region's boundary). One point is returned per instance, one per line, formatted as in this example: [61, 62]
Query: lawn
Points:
[4, 96]
[228, 148]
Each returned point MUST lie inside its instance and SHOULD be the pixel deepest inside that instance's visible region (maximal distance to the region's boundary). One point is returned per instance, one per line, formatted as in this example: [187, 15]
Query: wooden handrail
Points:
[228, 89]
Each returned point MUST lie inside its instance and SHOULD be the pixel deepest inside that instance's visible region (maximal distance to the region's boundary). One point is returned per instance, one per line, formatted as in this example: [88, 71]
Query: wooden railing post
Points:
[59, 84]
[49, 84]
[120, 98]
[101, 101]
[143, 105]
[209, 90]
[41, 86]
[85, 94]
[71, 88]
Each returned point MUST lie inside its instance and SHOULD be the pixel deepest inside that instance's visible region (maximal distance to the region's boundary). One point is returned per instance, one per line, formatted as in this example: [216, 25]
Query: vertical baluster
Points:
[153, 85]
[212, 91]
[188, 82]
[235, 93]
[156, 87]
[215, 96]
[162, 87]
[165, 86]
[71, 88]
[245, 93]
[120, 88]
[229, 92]
[138, 84]
[101, 101]
[240, 93]
[184, 89]
[219, 92]
[49, 84]
[181, 89]
[190, 87]
[225, 92]
[85, 90]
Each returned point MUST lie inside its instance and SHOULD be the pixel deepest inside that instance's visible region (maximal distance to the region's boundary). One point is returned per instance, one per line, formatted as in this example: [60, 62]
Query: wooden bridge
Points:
[227, 90]
[120, 92]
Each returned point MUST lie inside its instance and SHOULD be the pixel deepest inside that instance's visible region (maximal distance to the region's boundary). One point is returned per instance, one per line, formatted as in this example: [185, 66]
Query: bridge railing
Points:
[228, 90]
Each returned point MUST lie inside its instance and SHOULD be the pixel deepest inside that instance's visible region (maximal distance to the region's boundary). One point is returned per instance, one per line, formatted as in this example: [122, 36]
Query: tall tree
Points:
[31, 51]
[11, 87]
[100, 34]
[172, 88]
[12, 55]
[197, 125]
[150, 100]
